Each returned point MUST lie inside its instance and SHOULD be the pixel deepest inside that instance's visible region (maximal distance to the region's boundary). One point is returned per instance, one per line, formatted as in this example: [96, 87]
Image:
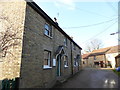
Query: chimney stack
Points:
[71, 37]
[55, 20]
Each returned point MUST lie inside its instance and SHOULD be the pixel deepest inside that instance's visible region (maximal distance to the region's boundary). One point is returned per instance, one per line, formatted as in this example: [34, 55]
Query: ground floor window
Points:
[75, 62]
[65, 61]
[83, 62]
[47, 59]
[96, 63]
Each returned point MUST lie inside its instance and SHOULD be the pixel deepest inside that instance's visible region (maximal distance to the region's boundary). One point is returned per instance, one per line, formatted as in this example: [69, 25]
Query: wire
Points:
[113, 8]
[90, 25]
[91, 12]
[100, 32]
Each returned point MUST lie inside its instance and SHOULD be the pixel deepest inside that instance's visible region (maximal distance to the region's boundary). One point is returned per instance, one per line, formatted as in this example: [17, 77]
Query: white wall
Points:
[111, 58]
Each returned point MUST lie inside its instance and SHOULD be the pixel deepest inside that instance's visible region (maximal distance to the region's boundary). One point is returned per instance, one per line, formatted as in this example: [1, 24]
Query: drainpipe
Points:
[71, 59]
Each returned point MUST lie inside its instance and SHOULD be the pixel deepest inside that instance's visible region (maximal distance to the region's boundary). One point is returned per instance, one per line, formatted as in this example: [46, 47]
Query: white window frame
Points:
[65, 61]
[48, 28]
[49, 60]
[75, 62]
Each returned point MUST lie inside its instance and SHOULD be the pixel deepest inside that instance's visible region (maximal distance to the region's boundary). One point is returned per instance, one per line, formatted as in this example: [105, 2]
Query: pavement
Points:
[92, 78]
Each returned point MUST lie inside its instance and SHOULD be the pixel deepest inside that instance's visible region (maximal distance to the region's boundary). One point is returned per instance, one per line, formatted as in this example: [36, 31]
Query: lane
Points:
[92, 78]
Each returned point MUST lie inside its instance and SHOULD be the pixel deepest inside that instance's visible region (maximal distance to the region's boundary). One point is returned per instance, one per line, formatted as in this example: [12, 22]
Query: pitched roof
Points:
[102, 50]
[108, 50]
[114, 49]
[45, 16]
[85, 56]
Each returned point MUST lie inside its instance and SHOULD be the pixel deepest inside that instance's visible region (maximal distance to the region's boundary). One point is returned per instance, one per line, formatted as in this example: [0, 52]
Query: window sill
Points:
[47, 67]
[48, 36]
[66, 46]
[65, 66]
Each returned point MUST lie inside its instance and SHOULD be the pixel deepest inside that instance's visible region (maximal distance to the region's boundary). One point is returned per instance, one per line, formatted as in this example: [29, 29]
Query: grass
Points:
[118, 73]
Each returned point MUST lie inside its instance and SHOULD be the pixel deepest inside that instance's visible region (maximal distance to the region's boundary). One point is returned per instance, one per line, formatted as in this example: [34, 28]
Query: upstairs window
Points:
[65, 41]
[74, 46]
[47, 59]
[48, 30]
[65, 61]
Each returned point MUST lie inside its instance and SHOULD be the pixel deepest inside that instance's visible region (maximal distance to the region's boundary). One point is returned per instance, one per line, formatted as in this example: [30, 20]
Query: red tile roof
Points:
[85, 56]
[102, 50]
[108, 50]
[114, 49]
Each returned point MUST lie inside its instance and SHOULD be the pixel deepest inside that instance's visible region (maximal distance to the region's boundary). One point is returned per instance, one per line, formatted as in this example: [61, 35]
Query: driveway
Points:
[92, 78]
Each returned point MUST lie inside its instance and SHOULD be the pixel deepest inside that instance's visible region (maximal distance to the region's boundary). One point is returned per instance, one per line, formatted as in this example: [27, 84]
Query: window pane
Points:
[51, 31]
[65, 60]
[65, 41]
[46, 27]
[45, 55]
[47, 58]
[75, 61]
[46, 32]
[45, 61]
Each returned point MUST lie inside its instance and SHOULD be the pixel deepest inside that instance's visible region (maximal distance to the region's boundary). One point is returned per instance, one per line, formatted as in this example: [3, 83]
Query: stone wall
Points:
[33, 75]
[12, 15]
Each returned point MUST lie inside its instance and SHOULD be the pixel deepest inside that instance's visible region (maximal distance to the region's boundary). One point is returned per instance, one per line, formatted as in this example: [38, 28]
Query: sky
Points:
[85, 20]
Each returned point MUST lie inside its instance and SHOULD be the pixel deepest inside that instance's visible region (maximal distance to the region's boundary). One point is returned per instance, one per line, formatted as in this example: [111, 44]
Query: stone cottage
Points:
[104, 57]
[44, 53]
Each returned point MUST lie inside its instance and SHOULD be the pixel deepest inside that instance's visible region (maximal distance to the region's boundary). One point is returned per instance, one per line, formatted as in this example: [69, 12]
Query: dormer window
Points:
[48, 30]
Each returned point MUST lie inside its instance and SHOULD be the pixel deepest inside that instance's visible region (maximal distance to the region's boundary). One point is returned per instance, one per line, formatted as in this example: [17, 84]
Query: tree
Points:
[93, 45]
[8, 36]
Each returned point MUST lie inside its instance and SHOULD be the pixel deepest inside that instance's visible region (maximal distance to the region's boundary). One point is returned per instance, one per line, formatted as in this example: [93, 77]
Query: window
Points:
[47, 59]
[94, 57]
[83, 62]
[65, 41]
[65, 61]
[75, 62]
[74, 47]
[96, 63]
[48, 30]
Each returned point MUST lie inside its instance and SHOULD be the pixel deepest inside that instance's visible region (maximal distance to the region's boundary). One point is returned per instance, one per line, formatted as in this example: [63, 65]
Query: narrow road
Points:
[92, 78]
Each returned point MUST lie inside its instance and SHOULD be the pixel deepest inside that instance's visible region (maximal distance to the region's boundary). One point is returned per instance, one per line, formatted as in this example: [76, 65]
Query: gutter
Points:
[47, 18]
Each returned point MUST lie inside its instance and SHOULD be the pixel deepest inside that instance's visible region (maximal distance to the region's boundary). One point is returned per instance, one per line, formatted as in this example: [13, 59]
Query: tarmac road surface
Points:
[92, 78]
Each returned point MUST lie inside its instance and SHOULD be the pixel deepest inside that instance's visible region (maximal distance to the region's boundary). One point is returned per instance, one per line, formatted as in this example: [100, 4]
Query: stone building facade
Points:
[45, 53]
[104, 57]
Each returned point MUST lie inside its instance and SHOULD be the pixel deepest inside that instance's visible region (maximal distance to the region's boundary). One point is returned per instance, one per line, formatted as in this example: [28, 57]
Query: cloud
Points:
[69, 4]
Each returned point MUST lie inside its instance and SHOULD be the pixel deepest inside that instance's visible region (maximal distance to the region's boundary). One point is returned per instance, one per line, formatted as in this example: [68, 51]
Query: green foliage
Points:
[118, 73]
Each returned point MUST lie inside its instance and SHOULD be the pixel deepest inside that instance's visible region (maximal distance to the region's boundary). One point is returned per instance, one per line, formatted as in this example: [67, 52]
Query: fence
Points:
[10, 84]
